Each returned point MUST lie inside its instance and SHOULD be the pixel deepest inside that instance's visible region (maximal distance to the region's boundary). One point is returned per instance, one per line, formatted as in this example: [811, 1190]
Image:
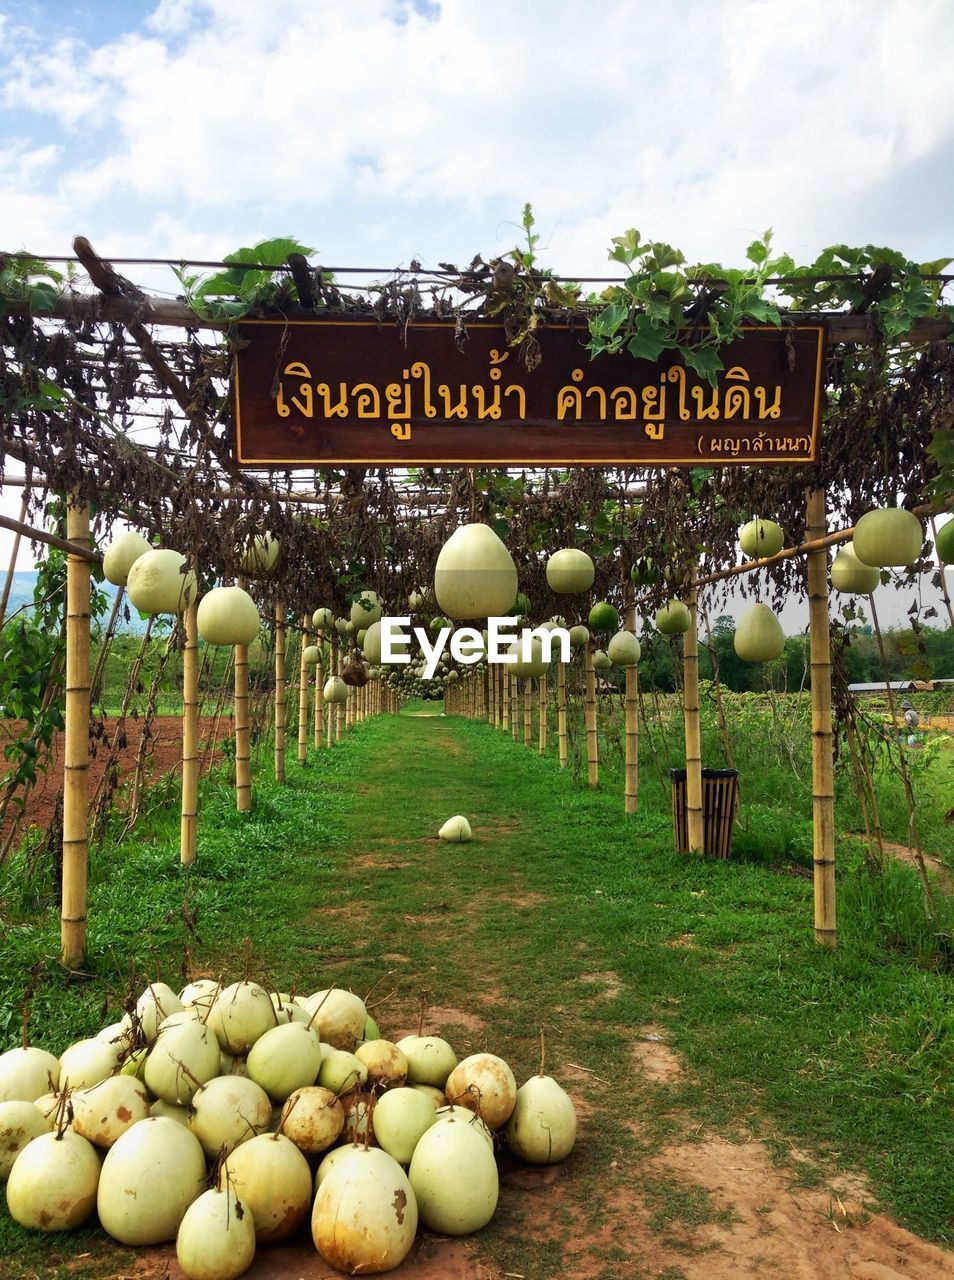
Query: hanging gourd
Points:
[760, 538]
[310, 655]
[366, 609]
[601, 661]
[759, 636]
[603, 617]
[227, 616]
[851, 576]
[944, 543]
[535, 664]
[624, 650]
[891, 538]
[260, 556]
[121, 554]
[643, 572]
[322, 619]
[673, 619]
[475, 576]
[335, 690]
[160, 582]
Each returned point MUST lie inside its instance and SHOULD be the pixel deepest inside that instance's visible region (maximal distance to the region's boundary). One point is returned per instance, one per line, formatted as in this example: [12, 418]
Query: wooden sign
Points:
[355, 392]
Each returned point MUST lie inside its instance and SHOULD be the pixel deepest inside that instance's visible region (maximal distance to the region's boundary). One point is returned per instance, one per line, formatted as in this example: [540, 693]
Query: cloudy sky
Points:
[378, 131]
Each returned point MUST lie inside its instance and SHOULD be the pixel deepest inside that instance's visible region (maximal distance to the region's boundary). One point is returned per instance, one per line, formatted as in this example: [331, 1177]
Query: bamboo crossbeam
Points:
[695, 820]
[79, 550]
[147, 309]
[76, 746]
[190, 732]
[823, 790]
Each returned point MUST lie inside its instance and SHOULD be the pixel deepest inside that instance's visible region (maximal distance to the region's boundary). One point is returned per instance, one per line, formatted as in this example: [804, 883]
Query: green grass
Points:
[561, 913]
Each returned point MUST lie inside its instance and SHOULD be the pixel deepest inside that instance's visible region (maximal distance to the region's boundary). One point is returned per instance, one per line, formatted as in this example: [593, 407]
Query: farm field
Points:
[747, 1100]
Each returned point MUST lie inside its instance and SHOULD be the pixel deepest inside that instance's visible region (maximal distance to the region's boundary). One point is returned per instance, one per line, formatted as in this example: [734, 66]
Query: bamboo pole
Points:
[505, 700]
[527, 711]
[561, 715]
[303, 693]
[823, 789]
[243, 753]
[695, 819]
[631, 767]
[542, 711]
[76, 748]
[190, 733]
[331, 717]
[514, 707]
[319, 686]
[281, 708]
[338, 708]
[592, 744]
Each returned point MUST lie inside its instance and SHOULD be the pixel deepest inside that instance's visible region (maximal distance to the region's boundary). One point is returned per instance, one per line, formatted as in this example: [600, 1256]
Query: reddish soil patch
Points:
[432, 1258]
[653, 1058]
[43, 800]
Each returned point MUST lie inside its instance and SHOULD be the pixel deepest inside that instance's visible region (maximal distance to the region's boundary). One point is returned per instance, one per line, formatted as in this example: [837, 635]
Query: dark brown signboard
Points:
[331, 393]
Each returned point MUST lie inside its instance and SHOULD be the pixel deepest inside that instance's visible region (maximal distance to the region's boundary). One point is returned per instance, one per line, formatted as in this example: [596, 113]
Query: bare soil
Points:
[43, 800]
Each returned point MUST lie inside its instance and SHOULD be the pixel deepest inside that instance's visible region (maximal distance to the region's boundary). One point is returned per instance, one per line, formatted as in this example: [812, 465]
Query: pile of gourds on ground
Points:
[222, 1117]
[476, 578]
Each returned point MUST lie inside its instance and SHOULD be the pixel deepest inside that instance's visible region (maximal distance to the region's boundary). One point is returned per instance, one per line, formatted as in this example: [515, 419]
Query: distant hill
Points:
[21, 595]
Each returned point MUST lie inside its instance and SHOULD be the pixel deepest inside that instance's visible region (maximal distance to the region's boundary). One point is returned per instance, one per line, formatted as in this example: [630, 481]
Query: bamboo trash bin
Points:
[720, 802]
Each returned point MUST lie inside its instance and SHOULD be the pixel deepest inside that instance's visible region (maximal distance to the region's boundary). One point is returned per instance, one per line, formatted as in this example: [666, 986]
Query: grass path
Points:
[677, 996]
[684, 1002]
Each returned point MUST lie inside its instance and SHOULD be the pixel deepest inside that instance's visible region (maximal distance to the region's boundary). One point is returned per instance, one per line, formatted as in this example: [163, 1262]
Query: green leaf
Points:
[270, 253]
[648, 344]
[705, 362]
[757, 251]
[42, 297]
[626, 247]
[609, 320]
[766, 312]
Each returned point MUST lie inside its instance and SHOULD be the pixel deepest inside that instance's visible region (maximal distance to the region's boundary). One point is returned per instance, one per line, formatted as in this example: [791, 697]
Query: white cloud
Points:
[698, 123]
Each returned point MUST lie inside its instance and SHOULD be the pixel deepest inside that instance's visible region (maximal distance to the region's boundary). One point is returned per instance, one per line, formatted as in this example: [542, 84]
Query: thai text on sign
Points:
[325, 393]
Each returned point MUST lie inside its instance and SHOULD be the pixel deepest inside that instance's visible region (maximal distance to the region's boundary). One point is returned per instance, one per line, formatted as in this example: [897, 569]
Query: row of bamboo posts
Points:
[501, 702]
[495, 699]
[330, 722]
